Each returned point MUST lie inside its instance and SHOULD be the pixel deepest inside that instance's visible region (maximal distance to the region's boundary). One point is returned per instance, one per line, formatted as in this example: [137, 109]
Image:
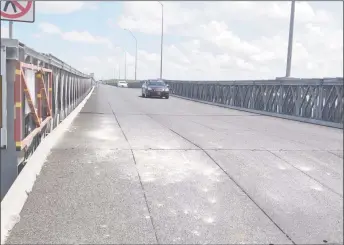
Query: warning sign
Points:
[22, 11]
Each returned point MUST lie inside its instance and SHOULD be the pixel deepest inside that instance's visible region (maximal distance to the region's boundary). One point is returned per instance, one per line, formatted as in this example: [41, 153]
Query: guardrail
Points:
[318, 101]
[38, 91]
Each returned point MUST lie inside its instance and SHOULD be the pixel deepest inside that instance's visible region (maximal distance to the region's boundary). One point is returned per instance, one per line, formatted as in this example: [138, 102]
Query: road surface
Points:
[136, 170]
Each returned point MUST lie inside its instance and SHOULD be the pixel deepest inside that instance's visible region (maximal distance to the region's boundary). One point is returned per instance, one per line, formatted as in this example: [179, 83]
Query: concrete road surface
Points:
[136, 170]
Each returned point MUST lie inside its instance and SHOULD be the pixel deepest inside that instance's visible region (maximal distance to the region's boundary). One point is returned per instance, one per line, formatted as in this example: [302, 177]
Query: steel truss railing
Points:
[38, 92]
[318, 101]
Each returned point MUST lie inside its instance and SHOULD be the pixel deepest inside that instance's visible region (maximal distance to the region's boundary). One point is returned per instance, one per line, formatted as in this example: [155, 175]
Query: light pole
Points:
[125, 65]
[290, 41]
[135, 51]
[119, 72]
[162, 36]
[10, 30]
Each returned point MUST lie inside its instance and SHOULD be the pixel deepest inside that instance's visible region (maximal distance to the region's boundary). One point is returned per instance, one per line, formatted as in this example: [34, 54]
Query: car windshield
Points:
[156, 83]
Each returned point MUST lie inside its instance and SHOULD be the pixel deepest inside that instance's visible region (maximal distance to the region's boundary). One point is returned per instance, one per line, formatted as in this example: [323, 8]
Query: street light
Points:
[125, 65]
[162, 36]
[10, 30]
[119, 71]
[290, 41]
[135, 51]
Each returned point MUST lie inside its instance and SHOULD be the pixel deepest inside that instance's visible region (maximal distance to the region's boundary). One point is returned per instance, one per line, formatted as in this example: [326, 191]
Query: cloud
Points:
[85, 37]
[143, 11]
[242, 40]
[91, 5]
[63, 7]
[147, 16]
[49, 28]
[91, 59]
[216, 40]
[74, 36]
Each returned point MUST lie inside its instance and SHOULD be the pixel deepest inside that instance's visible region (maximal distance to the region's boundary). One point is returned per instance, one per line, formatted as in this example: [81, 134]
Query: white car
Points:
[122, 84]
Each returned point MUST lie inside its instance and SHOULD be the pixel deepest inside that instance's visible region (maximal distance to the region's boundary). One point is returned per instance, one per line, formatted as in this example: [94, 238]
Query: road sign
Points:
[21, 11]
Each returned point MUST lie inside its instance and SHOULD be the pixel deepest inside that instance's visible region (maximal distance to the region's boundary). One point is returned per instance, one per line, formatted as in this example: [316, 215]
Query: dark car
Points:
[155, 89]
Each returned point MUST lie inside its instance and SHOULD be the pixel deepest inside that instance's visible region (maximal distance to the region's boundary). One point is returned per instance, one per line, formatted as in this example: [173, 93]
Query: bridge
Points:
[220, 162]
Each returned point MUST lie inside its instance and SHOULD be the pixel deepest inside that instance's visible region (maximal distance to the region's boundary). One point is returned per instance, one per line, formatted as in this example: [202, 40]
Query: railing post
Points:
[38, 80]
[280, 99]
[253, 98]
[18, 102]
[298, 98]
[50, 92]
[320, 102]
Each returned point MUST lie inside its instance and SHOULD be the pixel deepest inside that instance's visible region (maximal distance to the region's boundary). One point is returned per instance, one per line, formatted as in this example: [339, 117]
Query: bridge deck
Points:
[135, 170]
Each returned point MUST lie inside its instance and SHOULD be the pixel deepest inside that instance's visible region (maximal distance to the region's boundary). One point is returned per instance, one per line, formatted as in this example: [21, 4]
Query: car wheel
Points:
[167, 96]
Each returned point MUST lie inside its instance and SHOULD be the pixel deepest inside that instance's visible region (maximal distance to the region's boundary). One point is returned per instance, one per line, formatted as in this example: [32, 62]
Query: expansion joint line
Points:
[229, 176]
[138, 173]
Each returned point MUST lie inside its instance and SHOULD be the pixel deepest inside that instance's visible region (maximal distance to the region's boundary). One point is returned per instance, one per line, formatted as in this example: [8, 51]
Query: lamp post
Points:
[162, 36]
[125, 65]
[10, 30]
[135, 50]
[290, 41]
[119, 72]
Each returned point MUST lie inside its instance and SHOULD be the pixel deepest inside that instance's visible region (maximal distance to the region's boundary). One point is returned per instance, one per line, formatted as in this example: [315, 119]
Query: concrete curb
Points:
[14, 200]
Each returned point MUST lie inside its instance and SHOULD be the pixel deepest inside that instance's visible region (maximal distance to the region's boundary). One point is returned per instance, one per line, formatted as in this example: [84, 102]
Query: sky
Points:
[233, 40]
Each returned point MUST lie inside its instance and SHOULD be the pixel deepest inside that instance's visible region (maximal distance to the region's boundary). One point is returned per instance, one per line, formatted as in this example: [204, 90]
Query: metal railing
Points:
[38, 92]
[318, 101]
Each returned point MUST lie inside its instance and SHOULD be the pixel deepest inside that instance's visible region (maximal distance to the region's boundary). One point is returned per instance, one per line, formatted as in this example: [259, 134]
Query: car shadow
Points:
[150, 97]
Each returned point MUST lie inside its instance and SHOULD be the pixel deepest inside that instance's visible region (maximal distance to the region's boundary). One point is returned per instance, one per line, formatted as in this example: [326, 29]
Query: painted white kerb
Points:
[14, 200]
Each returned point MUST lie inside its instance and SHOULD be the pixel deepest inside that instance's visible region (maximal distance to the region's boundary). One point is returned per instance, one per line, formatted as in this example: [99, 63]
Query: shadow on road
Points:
[150, 97]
